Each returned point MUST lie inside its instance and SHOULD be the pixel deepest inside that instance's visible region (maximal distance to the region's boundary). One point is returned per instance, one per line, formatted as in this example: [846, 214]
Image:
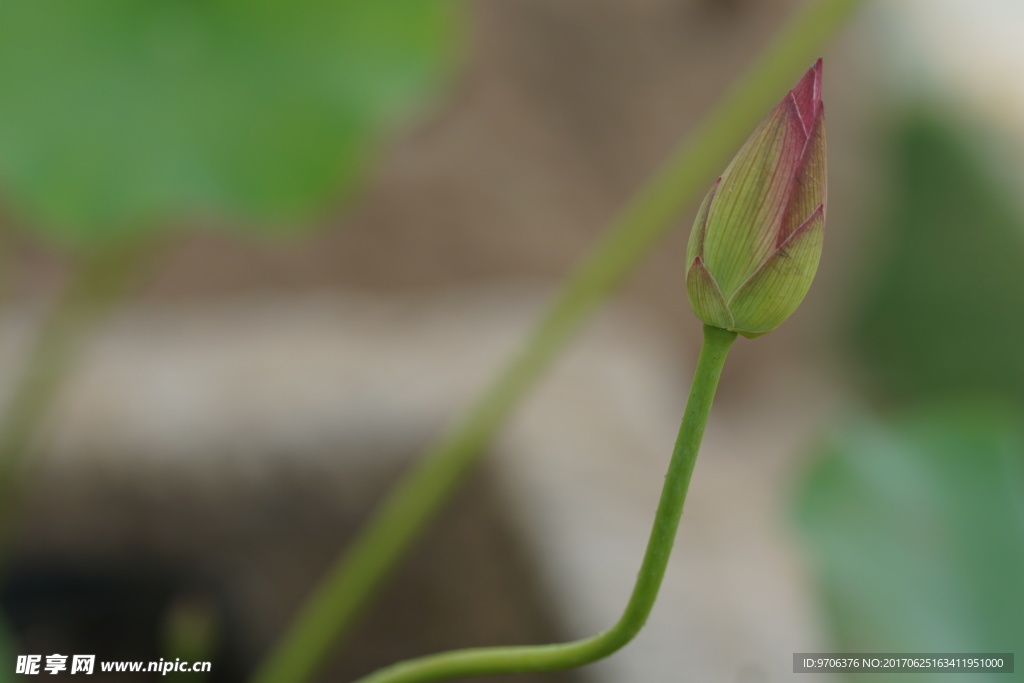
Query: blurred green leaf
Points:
[116, 114]
[916, 533]
[944, 305]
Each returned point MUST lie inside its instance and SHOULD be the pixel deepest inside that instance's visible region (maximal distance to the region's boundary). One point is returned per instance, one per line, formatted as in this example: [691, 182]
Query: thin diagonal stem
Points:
[501, 660]
[353, 581]
[93, 289]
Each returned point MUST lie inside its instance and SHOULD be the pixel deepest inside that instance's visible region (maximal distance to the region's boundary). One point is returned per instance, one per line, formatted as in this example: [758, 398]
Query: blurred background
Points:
[350, 215]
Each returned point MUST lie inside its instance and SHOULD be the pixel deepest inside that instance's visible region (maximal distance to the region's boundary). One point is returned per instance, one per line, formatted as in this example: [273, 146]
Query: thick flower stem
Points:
[503, 660]
[354, 580]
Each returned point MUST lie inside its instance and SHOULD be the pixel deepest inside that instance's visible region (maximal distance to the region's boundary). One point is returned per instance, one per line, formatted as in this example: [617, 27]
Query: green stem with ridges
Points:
[352, 582]
[553, 657]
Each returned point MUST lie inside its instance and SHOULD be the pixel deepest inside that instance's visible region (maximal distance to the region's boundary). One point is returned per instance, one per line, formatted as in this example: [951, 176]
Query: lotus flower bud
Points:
[755, 244]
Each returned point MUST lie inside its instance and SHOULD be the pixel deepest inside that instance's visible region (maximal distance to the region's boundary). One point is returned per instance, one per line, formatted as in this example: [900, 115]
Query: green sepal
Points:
[751, 200]
[695, 245]
[777, 288]
[706, 297]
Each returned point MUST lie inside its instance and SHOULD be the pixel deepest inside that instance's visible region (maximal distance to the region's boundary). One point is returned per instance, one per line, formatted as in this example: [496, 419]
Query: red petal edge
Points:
[806, 97]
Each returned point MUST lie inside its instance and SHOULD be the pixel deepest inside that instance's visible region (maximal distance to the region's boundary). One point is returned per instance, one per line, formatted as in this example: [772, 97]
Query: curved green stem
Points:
[500, 660]
[354, 579]
[93, 289]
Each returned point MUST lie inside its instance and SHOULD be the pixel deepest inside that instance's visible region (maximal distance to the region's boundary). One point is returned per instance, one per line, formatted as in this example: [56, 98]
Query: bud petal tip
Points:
[806, 97]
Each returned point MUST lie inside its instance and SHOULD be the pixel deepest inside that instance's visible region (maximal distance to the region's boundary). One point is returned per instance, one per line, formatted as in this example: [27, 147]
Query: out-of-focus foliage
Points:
[916, 531]
[944, 307]
[915, 524]
[117, 114]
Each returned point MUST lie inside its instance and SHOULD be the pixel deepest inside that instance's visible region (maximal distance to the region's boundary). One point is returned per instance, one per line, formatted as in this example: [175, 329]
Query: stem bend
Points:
[530, 658]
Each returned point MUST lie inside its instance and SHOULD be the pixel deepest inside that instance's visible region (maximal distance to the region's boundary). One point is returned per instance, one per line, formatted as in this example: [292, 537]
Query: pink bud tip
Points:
[806, 97]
